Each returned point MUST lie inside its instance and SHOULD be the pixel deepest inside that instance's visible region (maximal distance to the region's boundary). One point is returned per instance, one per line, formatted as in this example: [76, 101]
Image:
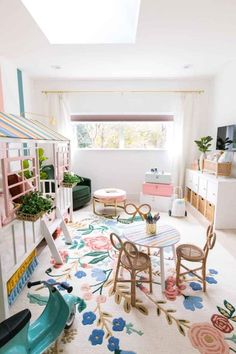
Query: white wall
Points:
[224, 104]
[123, 169]
[10, 87]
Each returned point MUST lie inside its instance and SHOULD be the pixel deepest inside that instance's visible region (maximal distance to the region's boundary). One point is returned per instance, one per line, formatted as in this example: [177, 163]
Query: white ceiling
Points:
[170, 35]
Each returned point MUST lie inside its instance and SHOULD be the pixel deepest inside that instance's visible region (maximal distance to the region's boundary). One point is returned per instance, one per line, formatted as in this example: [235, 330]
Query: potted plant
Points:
[70, 180]
[34, 206]
[203, 145]
[223, 144]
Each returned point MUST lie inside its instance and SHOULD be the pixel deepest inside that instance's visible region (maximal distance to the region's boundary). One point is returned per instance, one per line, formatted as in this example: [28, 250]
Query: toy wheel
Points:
[186, 213]
[169, 212]
[71, 318]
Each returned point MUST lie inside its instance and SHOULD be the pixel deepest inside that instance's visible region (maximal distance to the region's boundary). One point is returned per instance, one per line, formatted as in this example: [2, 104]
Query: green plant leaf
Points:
[223, 312]
[99, 259]
[229, 307]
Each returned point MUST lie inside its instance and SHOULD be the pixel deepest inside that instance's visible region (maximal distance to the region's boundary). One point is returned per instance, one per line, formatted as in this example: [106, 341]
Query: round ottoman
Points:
[109, 197]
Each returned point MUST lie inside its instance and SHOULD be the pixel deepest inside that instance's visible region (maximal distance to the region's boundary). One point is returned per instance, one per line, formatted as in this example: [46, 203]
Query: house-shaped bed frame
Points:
[20, 139]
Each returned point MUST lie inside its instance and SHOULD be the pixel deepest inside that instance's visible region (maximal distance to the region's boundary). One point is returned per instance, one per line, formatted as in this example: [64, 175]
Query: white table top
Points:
[166, 235]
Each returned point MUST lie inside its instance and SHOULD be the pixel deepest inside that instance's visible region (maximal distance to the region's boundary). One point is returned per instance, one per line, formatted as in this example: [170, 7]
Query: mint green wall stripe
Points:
[21, 93]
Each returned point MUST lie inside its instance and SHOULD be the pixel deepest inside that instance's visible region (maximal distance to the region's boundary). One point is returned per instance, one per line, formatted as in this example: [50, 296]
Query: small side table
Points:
[166, 236]
[109, 197]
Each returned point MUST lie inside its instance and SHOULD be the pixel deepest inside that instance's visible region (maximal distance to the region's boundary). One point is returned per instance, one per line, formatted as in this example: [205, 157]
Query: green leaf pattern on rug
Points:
[37, 299]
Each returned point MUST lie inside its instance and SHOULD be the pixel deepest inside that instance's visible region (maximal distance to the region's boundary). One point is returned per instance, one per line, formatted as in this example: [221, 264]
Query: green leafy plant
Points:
[70, 177]
[41, 159]
[204, 143]
[27, 173]
[34, 203]
[223, 144]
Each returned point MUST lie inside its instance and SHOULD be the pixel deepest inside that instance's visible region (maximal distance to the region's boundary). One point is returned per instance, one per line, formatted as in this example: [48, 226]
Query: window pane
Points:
[128, 135]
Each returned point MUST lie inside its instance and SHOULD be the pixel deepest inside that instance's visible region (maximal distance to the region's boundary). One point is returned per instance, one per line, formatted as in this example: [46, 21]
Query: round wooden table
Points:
[166, 236]
[109, 197]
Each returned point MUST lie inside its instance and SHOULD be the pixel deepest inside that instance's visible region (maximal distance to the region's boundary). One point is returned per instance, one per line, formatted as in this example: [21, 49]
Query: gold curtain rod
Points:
[123, 91]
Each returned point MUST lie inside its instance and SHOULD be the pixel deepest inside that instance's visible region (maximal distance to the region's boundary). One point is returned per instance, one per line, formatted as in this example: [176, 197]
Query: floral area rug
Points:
[182, 320]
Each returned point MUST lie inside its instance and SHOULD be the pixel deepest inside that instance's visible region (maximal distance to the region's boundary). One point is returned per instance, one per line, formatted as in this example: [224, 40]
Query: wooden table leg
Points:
[162, 266]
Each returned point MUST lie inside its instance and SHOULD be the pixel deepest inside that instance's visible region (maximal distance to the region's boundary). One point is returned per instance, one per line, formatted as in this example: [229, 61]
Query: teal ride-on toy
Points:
[17, 335]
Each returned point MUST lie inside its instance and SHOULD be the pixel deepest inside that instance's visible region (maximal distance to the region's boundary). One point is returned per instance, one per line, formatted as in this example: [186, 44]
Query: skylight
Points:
[86, 21]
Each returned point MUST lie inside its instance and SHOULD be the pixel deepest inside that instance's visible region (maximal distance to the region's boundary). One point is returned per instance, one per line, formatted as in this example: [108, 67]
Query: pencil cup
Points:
[151, 228]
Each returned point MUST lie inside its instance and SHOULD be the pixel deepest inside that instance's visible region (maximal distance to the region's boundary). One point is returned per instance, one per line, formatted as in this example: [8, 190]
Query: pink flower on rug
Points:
[98, 243]
[85, 287]
[222, 323]
[64, 255]
[88, 296]
[171, 293]
[144, 289]
[101, 299]
[207, 339]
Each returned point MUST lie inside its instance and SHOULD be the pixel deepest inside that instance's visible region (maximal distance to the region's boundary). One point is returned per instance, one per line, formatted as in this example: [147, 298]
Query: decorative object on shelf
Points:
[70, 180]
[203, 145]
[218, 168]
[34, 206]
[151, 223]
[223, 144]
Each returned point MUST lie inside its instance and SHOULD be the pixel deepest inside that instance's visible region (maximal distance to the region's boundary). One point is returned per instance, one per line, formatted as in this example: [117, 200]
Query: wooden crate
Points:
[188, 194]
[202, 205]
[194, 199]
[210, 211]
[219, 169]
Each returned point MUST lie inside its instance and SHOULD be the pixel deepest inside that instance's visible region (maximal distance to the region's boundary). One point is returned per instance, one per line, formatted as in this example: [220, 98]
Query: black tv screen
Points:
[226, 138]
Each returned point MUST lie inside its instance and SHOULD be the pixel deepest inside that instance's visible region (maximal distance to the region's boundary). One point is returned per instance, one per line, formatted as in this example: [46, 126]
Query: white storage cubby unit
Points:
[213, 197]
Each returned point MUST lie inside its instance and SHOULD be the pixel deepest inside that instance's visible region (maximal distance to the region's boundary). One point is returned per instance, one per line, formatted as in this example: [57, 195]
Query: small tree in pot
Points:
[203, 145]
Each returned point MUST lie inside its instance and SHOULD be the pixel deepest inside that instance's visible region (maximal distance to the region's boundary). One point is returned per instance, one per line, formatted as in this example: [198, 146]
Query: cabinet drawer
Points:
[202, 205]
[164, 190]
[195, 183]
[210, 212]
[202, 187]
[189, 179]
[212, 192]
[188, 195]
[194, 199]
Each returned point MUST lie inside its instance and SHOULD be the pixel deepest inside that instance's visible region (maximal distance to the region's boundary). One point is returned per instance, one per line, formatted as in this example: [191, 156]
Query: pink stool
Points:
[109, 197]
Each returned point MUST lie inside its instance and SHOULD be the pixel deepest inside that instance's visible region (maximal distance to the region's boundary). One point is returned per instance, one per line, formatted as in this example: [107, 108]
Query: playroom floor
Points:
[163, 316]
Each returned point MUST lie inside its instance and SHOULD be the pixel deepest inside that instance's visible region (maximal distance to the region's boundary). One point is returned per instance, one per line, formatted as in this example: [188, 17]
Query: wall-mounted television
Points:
[226, 138]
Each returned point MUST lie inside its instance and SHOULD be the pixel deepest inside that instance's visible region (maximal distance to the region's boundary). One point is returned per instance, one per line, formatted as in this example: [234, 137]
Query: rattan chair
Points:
[141, 210]
[192, 253]
[134, 261]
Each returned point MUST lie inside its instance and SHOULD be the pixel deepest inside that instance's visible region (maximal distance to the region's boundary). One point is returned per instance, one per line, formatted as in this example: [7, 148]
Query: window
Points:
[124, 135]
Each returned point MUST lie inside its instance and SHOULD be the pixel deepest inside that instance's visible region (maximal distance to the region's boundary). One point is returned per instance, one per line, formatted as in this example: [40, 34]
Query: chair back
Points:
[210, 241]
[131, 253]
[142, 210]
[116, 241]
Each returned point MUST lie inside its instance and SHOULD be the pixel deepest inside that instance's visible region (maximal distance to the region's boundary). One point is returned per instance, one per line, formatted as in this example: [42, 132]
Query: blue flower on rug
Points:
[51, 281]
[125, 352]
[192, 302]
[96, 337]
[195, 286]
[88, 318]
[80, 274]
[113, 344]
[98, 274]
[211, 280]
[64, 283]
[118, 324]
[213, 271]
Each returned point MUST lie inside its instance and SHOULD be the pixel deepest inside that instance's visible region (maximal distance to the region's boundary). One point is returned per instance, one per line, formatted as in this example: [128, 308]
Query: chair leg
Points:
[116, 276]
[150, 278]
[133, 290]
[178, 270]
[204, 277]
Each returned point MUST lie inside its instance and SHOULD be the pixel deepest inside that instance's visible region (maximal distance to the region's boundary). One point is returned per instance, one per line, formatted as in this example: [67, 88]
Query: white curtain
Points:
[185, 130]
[59, 113]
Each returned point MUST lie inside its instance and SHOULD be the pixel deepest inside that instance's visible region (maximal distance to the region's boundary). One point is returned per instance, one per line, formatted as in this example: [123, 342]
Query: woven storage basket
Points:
[29, 217]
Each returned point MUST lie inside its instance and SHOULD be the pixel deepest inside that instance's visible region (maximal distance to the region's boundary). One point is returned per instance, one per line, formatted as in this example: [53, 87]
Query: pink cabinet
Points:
[164, 190]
